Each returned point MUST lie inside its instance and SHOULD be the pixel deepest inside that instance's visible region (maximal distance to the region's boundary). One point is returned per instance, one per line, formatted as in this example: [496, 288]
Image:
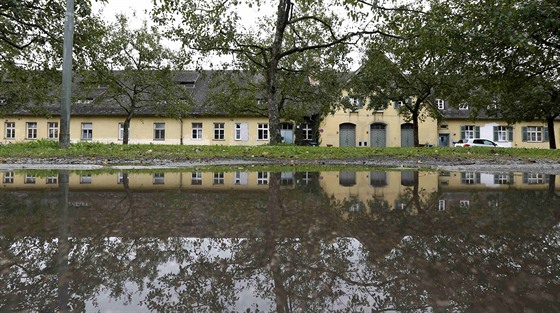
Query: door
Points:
[407, 135]
[378, 135]
[347, 134]
[287, 132]
[443, 140]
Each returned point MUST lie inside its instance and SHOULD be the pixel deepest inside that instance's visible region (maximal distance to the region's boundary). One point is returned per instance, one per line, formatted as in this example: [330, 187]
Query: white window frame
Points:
[502, 133]
[262, 131]
[440, 104]
[52, 180]
[441, 205]
[159, 131]
[219, 178]
[262, 178]
[196, 178]
[219, 131]
[535, 134]
[470, 131]
[52, 130]
[307, 132]
[87, 131]
[121, 131]
[10, 130]
[8, 177]
[29, 179]
[158, 178]
[31, 130]
[196, 133]
[86, 179]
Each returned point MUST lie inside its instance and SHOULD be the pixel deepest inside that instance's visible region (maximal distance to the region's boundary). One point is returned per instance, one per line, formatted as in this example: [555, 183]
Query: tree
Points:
[139, 72]
[31, 34]
[515, 72]
[408, 69]
[294, 39]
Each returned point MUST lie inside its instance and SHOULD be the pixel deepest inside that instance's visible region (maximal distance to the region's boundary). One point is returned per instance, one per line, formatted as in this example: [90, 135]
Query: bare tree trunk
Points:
[282, 18]
[126, 126]
[551, 133]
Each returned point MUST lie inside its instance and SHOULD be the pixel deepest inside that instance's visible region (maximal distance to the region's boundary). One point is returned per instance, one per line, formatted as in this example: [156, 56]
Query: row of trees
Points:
[298, 54]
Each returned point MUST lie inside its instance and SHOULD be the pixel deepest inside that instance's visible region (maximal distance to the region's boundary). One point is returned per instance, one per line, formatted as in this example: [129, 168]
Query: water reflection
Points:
[279, 242]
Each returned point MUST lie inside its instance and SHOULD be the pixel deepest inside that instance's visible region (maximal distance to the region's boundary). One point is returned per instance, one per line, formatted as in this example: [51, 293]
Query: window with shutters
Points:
[470, 132]
[503, 133]
[534, 134]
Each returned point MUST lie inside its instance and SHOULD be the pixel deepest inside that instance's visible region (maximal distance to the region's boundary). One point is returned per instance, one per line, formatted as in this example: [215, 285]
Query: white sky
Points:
[113, 7]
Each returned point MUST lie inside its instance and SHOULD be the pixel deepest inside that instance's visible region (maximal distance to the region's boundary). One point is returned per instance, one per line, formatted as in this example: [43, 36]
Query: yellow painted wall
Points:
[363, 119]
[454, 129]
[105, 129]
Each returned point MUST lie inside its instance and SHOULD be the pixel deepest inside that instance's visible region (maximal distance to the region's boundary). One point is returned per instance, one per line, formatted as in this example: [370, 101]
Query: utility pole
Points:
[66, 95]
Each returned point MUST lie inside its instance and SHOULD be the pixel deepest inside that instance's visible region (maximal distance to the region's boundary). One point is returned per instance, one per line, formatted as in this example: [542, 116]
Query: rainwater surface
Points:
[242, 241]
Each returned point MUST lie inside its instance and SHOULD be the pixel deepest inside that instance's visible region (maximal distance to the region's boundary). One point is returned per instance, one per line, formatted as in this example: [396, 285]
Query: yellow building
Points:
[205, 125]
[362, 127]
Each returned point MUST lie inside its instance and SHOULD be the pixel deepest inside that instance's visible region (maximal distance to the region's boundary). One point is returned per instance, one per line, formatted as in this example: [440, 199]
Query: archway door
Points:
[378, 134]
[347, 135]
[407, 135]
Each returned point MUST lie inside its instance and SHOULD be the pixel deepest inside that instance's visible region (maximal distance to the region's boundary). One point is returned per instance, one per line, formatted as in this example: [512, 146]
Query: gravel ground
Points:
[445, 164]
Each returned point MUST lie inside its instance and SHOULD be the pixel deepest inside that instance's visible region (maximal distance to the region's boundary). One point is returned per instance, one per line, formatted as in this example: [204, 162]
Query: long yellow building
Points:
[358, 126]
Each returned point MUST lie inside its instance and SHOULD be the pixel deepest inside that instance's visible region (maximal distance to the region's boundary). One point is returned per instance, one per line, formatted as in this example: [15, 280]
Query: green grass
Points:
[48, 149]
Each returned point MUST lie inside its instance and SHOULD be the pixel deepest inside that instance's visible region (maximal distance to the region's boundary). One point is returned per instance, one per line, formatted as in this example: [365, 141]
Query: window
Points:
[534, 178]
[241, 131]
[85, 179]
[219, 131]
[197, 131]
[470, 132]
[398, 104]
[219, 178]
[534, 134]
[8, 177]
[463, 106]
[31, 130]
[196, 178]
[240, 178]
[121, 131]
[52, 180]
[470, 178]
[52, 130]
[120, 178]
[262, 178]
[440, 104]
[307, 132]
[159, 131]
[10, 130]
[87, 131]
[441, 205]
[503, 179]
[29, 179]
[262, 131]
[503, 133]
[158, 179]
